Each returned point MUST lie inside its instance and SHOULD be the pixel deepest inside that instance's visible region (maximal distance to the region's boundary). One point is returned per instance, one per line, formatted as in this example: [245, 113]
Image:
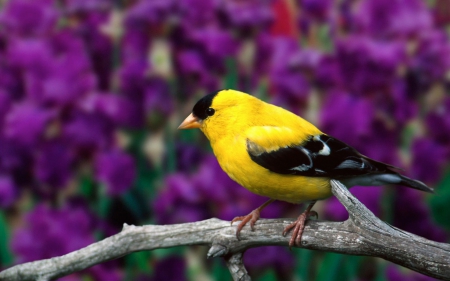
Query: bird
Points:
[277, 154]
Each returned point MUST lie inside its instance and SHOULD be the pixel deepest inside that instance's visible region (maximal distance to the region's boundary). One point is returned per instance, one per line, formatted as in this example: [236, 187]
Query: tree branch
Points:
[362, 234]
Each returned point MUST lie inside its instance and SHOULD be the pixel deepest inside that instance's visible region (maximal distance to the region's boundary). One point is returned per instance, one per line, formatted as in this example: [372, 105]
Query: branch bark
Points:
[362, 234]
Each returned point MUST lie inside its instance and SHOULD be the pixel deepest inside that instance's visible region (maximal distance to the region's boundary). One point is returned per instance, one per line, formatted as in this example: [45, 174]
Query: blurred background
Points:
[92, 91]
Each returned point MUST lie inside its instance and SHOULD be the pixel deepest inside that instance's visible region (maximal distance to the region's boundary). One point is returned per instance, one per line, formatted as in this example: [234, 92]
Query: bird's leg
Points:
[299, 225]
[252, 217]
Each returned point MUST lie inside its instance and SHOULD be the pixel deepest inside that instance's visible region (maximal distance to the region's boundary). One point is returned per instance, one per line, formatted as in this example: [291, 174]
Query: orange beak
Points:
[190, 122]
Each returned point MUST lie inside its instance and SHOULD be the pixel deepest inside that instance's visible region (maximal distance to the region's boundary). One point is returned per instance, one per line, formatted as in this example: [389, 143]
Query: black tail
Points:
[415, 184]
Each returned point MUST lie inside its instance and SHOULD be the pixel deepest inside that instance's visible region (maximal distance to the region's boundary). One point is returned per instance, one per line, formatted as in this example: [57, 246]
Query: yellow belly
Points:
[291, 188]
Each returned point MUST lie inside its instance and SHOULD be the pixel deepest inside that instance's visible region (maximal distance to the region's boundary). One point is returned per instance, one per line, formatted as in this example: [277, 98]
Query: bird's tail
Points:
[415, 184]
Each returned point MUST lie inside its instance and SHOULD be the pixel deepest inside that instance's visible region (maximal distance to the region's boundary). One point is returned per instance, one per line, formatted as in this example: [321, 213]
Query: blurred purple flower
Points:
[347, 117]
[393, 19]
[53, 226]
[215, 45]
[98, 45]
[438, 123]
[197, 12]
[188, 157]
[355, 121]
[106, 271]
[149, 12]
[5, 105]
[370, 196]
[157, 98]
[29, 17]
[248, 15]
[116, 169]
[46, 77]
[32, 56]
[194, 72]
[368, 66]
[318, 10]
[54, 163]
[277, 258]
[428, 160]
[328, 74]
[26, 123]
[120, 110]
[172, 268]
[83, 6]
[430, 62]
[208, 192]
[291, 72]
[8, 191]
[394, 273]
[88, 132]
[413, 215]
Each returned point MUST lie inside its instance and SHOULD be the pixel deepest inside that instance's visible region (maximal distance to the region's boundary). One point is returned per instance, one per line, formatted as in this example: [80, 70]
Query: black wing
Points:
[320, 156]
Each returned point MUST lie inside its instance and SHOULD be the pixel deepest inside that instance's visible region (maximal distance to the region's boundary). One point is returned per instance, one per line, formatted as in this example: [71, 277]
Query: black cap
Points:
[202, 105]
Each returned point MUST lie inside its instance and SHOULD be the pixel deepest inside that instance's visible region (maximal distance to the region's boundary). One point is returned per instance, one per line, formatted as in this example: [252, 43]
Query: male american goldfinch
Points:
[275, 153]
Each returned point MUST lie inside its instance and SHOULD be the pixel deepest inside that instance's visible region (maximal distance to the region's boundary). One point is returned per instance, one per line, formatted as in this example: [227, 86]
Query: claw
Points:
[252, 218]
[299, 226]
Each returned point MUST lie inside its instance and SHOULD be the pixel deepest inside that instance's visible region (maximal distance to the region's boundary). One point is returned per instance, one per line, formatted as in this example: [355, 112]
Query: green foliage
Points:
[6, 257]
[440, 202]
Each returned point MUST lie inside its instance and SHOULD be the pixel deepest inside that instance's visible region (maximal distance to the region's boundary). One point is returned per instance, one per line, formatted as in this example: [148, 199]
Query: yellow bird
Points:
[277, 154]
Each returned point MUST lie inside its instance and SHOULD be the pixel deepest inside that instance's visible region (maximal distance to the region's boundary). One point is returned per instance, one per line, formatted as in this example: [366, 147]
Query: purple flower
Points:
[53, 226]
[149, 12]
[197, 12]
[390, 19]
[430, 62]
[106, 271]
[368, 66]
[120, 110]
[277, 258]
[54, 163]
[438, 122]
[396, 273]
[170, 268]
[188, 157]
[88, 132]
[328, 74]
[215, 45]
[347, 117]
[318, 10]
[32, 55]
[80, 6]
[29, 17]
[370, 196]
[355, 121]
[8, 192]
[194, 72]
[5, 104]
[428, 160]
[412, 214]
[157, 98]
[26, 123]
[248, 15]
[209, 192]
[291, 72]
[116, 170]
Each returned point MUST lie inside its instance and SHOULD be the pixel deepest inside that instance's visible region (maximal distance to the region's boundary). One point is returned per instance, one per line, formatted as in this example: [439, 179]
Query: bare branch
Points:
[362, 234]
[237, 268]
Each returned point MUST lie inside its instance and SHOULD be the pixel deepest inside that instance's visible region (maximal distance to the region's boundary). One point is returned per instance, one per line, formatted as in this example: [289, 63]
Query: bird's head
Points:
[219, 110]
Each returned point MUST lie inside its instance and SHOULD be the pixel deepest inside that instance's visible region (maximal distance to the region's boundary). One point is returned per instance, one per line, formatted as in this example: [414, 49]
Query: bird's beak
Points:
[190, 122]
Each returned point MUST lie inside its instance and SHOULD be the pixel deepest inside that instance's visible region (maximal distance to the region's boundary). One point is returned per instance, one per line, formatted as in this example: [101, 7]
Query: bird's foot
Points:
[252, 218]
[298, 226]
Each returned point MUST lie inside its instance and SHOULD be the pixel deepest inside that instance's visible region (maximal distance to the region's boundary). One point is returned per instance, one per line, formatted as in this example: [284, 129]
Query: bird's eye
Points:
[210, 111]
